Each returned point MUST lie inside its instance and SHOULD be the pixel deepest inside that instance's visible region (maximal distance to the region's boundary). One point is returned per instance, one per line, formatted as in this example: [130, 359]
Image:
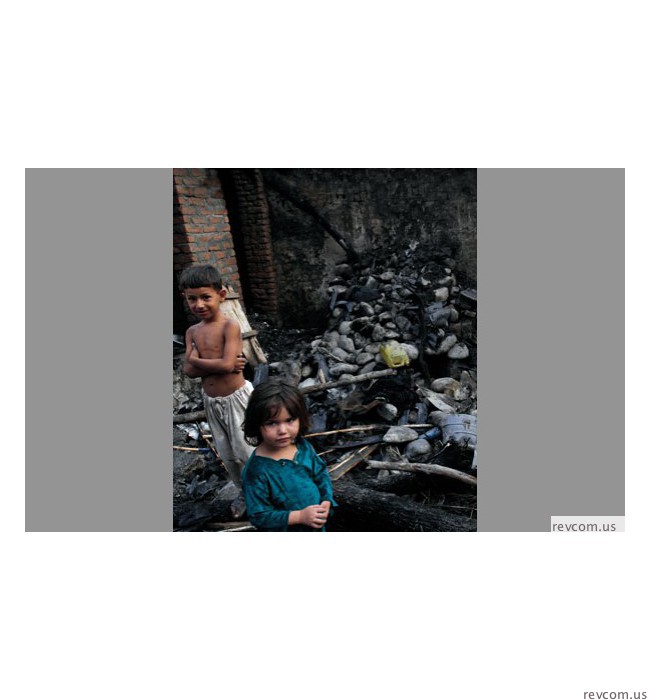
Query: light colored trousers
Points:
[225, 415]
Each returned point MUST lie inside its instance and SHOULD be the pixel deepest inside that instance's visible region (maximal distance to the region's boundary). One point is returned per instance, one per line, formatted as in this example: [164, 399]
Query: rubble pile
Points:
[391, 387]
[408, 312]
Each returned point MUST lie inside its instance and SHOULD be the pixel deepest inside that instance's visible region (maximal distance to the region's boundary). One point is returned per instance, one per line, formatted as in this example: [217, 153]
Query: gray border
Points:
[98, 327]
[98, 357]
[551, 358]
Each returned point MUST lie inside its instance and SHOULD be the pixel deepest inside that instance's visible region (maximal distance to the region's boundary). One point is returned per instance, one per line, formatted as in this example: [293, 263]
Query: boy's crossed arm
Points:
[232, 360]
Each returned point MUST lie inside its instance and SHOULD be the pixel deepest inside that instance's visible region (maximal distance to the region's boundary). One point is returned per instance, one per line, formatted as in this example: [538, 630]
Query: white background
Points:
[342, 84]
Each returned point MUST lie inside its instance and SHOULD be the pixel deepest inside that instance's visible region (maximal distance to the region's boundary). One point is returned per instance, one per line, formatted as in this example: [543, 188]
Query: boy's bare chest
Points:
[209, 340]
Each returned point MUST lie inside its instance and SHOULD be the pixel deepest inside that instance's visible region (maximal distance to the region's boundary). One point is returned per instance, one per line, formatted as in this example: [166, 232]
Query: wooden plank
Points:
[251, 346]
[433, 469]
[350, 461]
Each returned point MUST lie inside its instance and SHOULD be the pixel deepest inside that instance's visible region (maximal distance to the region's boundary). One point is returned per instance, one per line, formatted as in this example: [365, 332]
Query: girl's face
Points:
[280, 430]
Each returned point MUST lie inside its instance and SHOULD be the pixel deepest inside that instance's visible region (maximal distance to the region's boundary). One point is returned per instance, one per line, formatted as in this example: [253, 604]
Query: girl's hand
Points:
[327, 505]
[313, 516]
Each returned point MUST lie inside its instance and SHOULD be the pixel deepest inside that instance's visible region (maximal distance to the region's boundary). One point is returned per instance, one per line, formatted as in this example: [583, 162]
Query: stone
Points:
[228, 492]
[439, 318]
[331, 339]
[441, 294]
[339, 368]
[365, 309]
[437, 417]
[310, 381]
[370, 367]
[387, 276]
[387, 411]
[363, 358]
[345, 327]
[447, 343]
[418, 449]
[402, 323]
[345, 270]
[378, 332]
[337, 288]
[458, 352]
[342, 355]
[346, 343]
[372, 348]
[400, 433]
[445, 385]
[411, 351]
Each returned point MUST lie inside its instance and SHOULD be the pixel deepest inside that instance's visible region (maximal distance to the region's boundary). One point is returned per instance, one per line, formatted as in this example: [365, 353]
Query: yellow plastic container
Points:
[393, 354]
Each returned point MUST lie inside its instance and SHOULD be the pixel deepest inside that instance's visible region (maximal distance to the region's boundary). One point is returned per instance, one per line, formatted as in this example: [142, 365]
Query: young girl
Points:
[285, 483]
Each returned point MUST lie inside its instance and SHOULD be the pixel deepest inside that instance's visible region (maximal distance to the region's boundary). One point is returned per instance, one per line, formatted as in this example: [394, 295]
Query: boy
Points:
[213, 351]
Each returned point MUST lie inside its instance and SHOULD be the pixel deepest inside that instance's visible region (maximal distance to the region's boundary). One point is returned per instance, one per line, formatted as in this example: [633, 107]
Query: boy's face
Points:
[204, 302]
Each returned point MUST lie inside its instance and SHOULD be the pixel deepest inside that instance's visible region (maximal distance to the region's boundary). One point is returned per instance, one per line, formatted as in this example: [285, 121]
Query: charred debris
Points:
[391, 386]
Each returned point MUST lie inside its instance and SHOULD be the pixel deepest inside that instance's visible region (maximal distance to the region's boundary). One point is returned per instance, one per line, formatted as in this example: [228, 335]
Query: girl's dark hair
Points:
[200, 276]
[266, 401]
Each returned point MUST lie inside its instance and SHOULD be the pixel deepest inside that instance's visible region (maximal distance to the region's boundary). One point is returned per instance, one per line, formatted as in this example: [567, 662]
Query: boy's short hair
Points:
[266, 401]
[200, 276]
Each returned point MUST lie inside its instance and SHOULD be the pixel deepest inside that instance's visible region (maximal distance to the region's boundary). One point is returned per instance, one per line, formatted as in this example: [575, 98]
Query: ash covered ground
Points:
[397, 339]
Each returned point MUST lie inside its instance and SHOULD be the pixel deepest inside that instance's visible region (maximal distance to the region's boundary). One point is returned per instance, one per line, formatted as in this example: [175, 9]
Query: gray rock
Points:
[310, 381]
[331, 339]
[402, 323]
[441, 294]
[338, 288]
[418, 449]
[437, 417]
[378, 332]
[458, 352]
[387, 411]
[445, 385]
[411, 351]
[345, 327]
[365, 308]
[346, 343]
[439, 317]
[228, 492]
[400, 433]
[364, 357]
[340, 368]
[370, 367]
[342, 355]
[344, 270]
[387, 276]
[372, 348]
[447, 343]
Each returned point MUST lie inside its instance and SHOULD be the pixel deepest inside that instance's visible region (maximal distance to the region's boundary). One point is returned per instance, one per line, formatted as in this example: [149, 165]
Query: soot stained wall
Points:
[373, 210]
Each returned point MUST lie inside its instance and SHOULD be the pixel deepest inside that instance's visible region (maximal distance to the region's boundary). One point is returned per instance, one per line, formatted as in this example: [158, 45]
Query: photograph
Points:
[325, 349]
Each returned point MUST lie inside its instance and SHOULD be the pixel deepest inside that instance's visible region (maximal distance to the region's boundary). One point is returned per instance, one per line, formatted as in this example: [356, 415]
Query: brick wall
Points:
[201, 227]
[253, 213]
